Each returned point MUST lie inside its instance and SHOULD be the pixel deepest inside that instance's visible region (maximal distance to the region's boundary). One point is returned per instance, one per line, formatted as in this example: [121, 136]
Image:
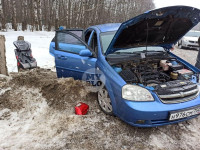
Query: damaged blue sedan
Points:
[145, 84]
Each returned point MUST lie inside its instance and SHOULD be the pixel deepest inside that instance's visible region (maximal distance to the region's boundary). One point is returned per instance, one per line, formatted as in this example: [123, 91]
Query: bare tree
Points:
[14, 22]
[35, 15]
[24, 15]
[2, 17]
[39, 14]
[69, 13]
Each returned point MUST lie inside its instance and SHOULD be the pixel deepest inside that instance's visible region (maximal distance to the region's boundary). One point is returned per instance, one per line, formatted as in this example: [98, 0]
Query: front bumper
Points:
[190, 44]
[156, 123]
[152, 114]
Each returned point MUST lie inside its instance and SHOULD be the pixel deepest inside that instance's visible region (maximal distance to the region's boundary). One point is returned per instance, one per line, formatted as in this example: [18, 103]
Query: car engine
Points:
[169, 78]
[152, 71]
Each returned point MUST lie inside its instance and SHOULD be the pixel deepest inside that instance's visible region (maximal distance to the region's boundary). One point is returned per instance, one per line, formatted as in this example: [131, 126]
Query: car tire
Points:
[180, 45]
[104, 101]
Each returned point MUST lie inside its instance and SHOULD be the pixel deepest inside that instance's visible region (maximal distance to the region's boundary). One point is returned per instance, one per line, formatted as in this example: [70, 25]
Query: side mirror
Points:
[85, 53]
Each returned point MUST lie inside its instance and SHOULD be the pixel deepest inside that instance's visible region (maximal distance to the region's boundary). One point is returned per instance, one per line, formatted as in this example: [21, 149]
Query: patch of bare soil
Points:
[59, 93]
[8, 100]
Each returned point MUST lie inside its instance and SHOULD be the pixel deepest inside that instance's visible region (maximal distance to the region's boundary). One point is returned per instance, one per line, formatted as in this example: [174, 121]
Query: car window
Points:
[68, 43]
[78, 33]
[93, 43]
[106, 39]
[193, 34]
[87, 35]
[68, 39]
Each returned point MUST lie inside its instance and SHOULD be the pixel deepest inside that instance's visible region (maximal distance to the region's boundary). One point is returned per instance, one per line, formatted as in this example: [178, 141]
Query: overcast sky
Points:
[163, 3]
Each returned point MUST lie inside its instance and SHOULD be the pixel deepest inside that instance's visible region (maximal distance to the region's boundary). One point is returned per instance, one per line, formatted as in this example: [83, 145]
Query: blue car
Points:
[141, 81]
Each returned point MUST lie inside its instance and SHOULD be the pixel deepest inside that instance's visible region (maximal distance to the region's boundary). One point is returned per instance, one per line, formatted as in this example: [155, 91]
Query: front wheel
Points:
[104, 101]
[180, 45]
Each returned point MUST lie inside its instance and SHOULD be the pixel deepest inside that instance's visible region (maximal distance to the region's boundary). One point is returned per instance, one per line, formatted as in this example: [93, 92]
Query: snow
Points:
[40, 41]
[30, 125]
[2, 91]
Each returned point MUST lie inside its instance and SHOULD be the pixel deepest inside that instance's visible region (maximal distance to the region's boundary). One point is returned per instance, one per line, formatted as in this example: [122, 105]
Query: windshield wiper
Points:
[122, 53]
[146, 51]
[125, 53]
[138, 52]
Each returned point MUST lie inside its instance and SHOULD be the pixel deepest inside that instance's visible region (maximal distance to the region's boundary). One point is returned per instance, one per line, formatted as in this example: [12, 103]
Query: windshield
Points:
[107, 37]
[193, 34]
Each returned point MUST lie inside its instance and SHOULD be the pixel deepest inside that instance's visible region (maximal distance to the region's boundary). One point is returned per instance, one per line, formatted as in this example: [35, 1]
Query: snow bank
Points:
[35, 126]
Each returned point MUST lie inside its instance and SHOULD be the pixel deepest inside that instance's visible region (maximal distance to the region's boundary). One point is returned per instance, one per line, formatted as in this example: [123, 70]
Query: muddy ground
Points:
[37, 113]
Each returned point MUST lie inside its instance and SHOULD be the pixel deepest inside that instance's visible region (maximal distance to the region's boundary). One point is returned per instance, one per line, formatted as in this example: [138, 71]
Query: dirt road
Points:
[37, 113]
[188, 55]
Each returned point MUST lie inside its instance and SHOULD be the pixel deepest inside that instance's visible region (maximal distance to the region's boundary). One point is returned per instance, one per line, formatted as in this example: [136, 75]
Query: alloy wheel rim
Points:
[104, 100]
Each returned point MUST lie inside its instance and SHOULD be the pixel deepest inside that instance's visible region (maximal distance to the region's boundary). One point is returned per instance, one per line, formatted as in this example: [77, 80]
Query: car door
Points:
[78, 32]
[67, 59]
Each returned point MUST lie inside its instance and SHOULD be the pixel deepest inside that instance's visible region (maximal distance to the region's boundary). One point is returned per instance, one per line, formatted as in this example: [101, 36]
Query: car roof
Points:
[108, 27]
[194, 31]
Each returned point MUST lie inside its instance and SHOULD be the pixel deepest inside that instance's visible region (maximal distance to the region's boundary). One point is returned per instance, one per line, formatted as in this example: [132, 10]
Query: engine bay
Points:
[170, 79]
[153, 70]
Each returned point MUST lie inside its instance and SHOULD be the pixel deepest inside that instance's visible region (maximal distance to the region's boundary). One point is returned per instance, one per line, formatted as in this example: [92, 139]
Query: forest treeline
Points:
[50, 14]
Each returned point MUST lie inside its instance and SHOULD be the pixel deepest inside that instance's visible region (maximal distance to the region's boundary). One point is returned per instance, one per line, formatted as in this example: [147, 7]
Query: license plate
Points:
[184, 114]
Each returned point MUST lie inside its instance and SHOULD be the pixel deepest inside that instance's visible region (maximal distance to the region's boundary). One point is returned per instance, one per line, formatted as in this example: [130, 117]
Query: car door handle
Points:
[62, 57]
[54, 47]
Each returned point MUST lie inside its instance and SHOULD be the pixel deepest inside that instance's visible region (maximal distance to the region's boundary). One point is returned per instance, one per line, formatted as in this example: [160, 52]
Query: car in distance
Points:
[145, 84]
[190, 40]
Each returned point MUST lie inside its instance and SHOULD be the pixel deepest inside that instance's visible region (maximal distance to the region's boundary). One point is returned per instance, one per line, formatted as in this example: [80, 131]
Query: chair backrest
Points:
[22, 45]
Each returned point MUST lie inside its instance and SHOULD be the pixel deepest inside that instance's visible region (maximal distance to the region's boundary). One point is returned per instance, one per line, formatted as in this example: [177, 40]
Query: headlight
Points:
[136, 93]
[185, 40]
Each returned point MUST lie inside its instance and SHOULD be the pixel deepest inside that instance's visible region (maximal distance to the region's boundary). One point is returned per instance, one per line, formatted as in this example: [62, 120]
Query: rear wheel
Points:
[104, 101]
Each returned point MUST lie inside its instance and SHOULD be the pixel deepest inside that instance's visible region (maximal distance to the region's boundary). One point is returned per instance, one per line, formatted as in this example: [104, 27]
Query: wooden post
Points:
[3, 68]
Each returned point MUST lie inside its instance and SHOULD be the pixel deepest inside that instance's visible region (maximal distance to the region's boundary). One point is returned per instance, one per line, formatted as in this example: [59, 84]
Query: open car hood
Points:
[160, 27]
